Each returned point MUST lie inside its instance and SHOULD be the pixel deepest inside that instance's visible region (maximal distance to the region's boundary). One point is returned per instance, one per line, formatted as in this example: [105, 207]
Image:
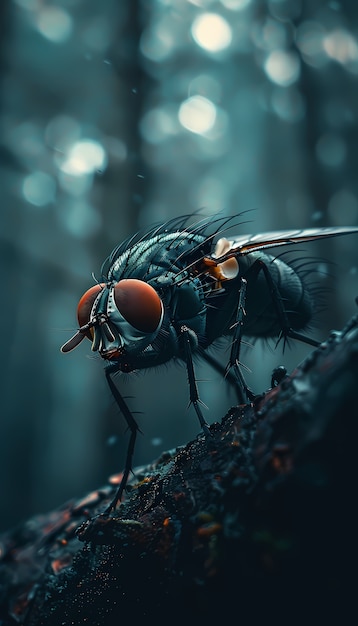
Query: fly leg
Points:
[286, 330]
[133, 427]
[218, 367]
[234, 362]
[188, 337]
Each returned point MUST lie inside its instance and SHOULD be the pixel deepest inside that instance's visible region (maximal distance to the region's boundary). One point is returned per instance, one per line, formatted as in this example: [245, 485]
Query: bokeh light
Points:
[158, 40]
[30, 5]
[61, 132]
[282, 67]
[309, 38]
[159, 124]
[341, 46]
[39, 189]
[54, 23]
[207, 86]
[235, 5]
[84, 157]
[211, 32]
[197, 114]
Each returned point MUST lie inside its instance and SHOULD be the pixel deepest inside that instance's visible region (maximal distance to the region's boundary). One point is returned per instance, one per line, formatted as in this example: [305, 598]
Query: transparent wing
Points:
[245, 244]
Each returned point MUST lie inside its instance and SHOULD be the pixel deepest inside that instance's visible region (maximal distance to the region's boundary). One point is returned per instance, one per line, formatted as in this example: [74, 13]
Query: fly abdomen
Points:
[286, 293]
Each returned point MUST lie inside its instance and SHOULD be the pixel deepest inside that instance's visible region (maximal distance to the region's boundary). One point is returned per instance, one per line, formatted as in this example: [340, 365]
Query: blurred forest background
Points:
[115, 115]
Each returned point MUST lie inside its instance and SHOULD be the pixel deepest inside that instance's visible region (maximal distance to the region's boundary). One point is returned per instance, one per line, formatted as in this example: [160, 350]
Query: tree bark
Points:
[257, 523]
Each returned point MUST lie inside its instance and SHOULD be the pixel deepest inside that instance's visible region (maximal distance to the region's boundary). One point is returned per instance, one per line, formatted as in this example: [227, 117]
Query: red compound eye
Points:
[139, 304]
[85, 305]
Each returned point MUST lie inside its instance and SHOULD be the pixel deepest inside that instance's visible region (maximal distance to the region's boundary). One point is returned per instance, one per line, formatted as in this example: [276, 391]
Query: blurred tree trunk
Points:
[127, 194]
[328, 128]
[40, 257]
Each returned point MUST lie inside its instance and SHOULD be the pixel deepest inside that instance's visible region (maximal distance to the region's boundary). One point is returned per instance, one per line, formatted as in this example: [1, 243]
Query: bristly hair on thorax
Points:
[201, 231]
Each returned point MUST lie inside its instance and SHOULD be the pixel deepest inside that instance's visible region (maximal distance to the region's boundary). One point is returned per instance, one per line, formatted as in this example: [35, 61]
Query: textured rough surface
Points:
[257, 523]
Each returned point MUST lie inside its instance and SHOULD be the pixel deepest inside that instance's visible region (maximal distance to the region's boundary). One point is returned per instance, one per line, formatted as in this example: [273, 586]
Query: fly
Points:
[171, 291]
